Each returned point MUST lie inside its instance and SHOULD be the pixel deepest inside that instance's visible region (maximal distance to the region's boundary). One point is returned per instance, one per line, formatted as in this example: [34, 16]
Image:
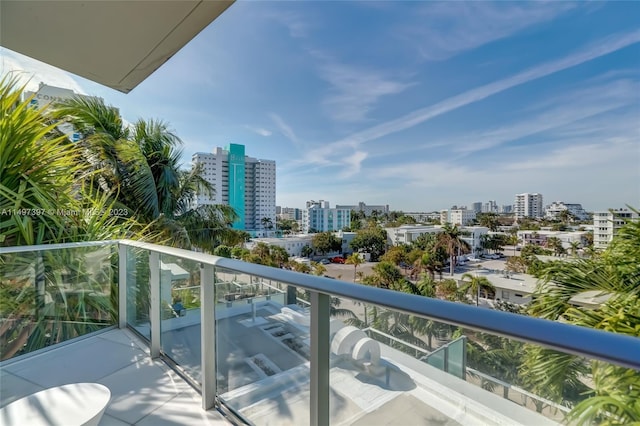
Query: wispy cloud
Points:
[260, 131]
[443, 29]
[284, 128]
[578, 156]
[556, 112]
[599, 49]
[354, 91]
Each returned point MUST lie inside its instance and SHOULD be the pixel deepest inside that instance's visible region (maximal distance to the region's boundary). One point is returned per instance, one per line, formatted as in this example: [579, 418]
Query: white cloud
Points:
[442, 29]
[355, 90]
[599, 49]
[31, 72]
[260, 131]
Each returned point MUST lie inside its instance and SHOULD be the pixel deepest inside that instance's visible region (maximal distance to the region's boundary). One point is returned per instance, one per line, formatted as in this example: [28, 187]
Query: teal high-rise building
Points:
[245, 183]
[237, 182]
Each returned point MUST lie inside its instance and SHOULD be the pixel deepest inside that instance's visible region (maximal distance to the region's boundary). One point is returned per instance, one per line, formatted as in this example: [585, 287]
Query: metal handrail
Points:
[614, 348]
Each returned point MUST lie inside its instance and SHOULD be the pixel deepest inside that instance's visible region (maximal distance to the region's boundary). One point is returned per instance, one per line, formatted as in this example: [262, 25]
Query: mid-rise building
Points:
[607, 223]
[366, 209]
[289, 213]
[320, 217]
[554, 210]
[528, 205]
[245, 183]
[457, 216]
[490, 207]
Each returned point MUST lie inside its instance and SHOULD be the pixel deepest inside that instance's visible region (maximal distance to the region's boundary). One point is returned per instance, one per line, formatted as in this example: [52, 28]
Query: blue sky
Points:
[419, 105]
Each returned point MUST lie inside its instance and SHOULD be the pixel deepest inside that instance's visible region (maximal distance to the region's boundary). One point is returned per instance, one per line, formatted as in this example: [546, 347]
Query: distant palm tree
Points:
[451, 240]
[355, 260]
[473, 284]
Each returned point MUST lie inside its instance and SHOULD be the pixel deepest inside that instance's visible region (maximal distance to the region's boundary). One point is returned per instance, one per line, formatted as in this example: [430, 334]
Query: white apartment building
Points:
[245, 183]
[422, 217]
[293, 245]
[528, 205]
[320, 217]
[540, 237]
[406, 234]
[457, 216]
[367, 210]
[554, 209]
[607, 223]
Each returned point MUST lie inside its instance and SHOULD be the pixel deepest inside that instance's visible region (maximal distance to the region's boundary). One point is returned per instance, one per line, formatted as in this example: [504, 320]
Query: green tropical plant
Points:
[138, 167]
[615, 276]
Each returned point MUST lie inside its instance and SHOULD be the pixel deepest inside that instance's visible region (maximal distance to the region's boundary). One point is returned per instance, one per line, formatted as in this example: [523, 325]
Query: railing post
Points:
[155, 311]
[320, 311]
[122, 286]
[208, 336]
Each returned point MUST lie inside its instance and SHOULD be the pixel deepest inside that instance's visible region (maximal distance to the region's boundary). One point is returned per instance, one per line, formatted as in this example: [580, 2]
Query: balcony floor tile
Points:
[143, 391]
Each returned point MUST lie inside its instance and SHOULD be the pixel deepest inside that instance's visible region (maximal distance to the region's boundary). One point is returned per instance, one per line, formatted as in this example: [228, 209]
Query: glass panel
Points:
[388, 367]
[438, 359]
[180, 313]
[50, 296]
[138, 291]
[456, 357]
[262, 349]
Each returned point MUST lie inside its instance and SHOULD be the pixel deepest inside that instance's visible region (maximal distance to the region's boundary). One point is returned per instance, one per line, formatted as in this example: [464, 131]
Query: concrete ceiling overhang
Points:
[112, 42]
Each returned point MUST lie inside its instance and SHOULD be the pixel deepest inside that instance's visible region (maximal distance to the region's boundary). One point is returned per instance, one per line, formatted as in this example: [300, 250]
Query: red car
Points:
[337, 259]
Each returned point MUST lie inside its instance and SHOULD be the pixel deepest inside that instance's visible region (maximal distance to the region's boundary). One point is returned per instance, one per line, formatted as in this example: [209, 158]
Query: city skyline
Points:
[408, 109]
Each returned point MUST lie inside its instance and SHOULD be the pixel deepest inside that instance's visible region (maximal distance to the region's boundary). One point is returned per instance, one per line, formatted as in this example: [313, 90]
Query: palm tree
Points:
[554, 243]
[267, 223]
[355, 260]
[451, 240]
[566, 216]
[138, 166]
[474, 283]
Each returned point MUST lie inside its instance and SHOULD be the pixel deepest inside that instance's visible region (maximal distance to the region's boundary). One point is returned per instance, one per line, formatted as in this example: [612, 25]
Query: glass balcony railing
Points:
[273, 346]
[55, 293]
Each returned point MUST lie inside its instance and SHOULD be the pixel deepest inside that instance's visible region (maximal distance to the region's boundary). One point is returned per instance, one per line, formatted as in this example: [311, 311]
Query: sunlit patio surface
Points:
[144, 391]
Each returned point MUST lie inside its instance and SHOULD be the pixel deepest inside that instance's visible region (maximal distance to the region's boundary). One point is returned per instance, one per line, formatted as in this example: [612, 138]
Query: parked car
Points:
[337, 259]
[325, 261]
[473, 259]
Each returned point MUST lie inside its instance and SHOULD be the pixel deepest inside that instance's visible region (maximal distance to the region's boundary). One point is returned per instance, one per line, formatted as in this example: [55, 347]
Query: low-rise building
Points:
[293, 245]
[366, 209]
[540, 238]
[406, 234]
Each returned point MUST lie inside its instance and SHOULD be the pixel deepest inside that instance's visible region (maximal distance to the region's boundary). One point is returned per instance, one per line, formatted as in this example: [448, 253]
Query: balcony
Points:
[181, 337]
